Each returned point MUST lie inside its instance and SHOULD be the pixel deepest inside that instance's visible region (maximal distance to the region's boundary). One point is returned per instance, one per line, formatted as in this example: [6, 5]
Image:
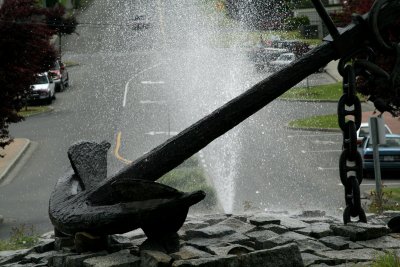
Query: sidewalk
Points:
[331, 70]
[12, 153]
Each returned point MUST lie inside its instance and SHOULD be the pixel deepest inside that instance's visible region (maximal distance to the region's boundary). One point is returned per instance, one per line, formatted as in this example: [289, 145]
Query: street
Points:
[135, 88]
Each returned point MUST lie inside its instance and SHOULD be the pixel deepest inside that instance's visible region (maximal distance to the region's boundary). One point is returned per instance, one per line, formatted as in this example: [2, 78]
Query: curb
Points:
[308, 100]
[333, 130]
[15, 158]
[51, 109]
[334, 77]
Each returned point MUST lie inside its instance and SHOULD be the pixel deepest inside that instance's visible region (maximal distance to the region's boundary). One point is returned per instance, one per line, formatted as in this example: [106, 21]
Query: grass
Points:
[322, 121]
[390, 199]
[189, 177]
[70, 63]
[326, 92]
[22, 237]
[33, 110]
[389, 259]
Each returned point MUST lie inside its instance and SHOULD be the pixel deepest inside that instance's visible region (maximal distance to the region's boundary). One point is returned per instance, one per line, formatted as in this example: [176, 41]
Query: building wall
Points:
[314, 18]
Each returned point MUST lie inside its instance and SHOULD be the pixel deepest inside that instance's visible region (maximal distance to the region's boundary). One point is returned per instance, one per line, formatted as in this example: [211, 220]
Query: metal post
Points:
[59, 44]
[377, 167]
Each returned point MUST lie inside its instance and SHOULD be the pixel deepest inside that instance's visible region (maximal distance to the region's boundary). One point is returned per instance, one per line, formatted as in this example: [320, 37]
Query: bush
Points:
[188, 179]
[22, 236]
[389, 259]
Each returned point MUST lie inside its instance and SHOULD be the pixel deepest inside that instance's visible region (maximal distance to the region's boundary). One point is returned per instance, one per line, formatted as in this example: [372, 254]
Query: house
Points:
[310, 12]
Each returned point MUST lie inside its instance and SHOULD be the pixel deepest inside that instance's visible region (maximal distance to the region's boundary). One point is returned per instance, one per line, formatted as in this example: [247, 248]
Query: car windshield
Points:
[390, 142]
[42, 79]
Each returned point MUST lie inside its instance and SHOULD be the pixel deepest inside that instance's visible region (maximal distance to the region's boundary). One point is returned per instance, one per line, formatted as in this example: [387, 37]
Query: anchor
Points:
[86, 200]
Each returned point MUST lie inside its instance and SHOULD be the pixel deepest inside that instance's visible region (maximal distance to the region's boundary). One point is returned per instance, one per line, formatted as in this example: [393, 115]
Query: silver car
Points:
[43, 89]
[282, 61]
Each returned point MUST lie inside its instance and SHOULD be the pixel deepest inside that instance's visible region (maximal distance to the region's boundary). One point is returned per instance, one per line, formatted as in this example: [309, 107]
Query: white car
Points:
[282, 61]
[43, 89]
[364, 132]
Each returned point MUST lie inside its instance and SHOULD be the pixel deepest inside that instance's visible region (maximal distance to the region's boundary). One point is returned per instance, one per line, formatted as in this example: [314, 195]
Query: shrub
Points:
[190, 177]
[389, 259]
[22, 236]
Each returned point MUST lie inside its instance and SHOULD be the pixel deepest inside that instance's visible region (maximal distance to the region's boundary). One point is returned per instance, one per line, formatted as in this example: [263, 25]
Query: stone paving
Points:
[254, 239]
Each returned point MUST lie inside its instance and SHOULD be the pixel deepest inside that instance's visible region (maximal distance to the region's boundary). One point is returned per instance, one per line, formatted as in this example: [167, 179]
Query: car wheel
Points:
[66, 83]
[49, 100]
[62, 87]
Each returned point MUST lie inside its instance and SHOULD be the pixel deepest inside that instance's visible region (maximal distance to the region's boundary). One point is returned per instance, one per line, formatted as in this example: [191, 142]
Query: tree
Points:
[59, 22]
[351, 7]
[259, 14]
[25, 50]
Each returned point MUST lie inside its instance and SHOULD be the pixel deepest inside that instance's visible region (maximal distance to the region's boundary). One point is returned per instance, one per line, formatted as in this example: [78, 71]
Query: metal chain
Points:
[350, 162]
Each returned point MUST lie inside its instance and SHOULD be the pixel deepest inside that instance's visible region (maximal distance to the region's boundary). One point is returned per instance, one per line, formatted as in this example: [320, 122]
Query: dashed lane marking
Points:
[152, 82]
[162, 133]
[131, 79]
[327, 168]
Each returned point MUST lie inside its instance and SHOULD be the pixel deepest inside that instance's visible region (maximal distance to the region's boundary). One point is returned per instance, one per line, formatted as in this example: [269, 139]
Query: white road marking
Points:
[152, 82]
[324, 142]
[131, 79]
[328, 168]
[144, 102]
[162, 133]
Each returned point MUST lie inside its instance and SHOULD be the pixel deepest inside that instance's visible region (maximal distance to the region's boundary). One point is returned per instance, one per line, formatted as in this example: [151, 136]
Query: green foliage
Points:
[390, 200]
[319, 122]
[33, 110]
[329, 92]
[294, 23]
[81, 3]
[389, 259]
[190, 177]
[25, 51]
[22, 236]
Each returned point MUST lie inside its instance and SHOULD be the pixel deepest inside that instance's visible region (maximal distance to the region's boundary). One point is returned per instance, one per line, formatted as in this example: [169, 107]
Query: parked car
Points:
[282, 61]
[389, 156]
[294, 46]
[59, 74]
[140, 21]
[364, 132]
[43, 89]
[262, 56]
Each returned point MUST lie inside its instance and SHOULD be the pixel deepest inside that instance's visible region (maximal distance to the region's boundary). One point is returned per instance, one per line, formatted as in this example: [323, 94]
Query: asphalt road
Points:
[136, 88]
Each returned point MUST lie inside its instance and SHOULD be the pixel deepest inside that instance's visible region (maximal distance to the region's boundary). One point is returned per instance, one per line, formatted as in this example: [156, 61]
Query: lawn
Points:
[33, 110]
[317, 122]
[326, 92]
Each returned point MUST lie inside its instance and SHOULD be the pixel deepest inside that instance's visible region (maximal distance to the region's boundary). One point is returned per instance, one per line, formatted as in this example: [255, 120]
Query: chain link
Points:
[350, 162]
